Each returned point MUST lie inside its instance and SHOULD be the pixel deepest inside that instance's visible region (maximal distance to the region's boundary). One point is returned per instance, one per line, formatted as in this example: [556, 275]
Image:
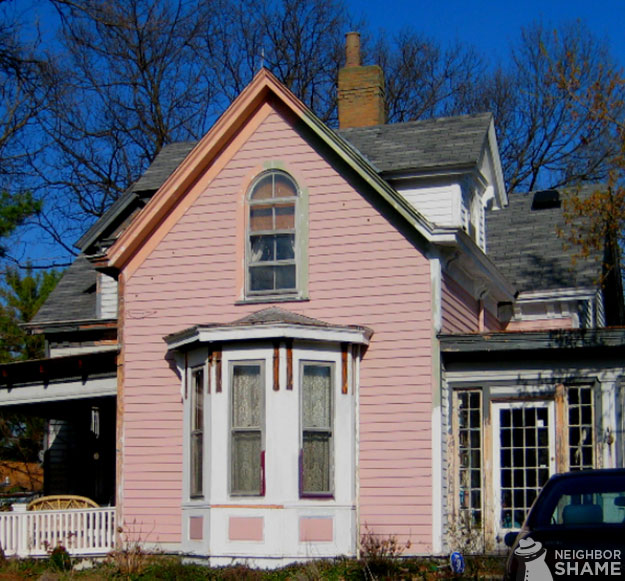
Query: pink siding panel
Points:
[196, 528]
[459, 308]
[245, 528]
[319, 530]
[361, 270]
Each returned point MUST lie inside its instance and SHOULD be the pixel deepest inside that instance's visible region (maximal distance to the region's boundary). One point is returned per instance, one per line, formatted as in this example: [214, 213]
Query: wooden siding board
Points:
[459, 309]
[349, 242]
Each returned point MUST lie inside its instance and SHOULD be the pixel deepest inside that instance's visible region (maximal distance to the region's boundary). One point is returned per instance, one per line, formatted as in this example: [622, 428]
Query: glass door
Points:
[524, 459]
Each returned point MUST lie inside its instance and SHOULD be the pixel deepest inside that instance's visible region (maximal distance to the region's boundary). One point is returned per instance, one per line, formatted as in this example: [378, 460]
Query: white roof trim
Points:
[559, 294]
[267, 332]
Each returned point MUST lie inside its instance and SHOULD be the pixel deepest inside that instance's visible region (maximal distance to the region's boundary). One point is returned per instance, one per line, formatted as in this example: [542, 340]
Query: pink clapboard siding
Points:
[361, 271]
[459, 308]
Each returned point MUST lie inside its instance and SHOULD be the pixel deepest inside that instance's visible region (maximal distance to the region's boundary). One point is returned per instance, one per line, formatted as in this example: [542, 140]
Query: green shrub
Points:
[60, 559]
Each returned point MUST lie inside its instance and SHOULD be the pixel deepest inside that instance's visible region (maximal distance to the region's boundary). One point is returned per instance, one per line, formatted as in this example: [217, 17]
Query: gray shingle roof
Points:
[74, 298]
[167, 160]
[422, 145]
[524, 245]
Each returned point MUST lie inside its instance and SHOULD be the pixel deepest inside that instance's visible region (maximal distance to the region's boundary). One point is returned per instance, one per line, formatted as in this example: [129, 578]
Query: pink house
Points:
[284, 337]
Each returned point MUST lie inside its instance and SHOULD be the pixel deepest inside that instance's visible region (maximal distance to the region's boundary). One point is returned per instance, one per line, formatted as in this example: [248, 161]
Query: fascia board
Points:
[267, 332]
[500, 184]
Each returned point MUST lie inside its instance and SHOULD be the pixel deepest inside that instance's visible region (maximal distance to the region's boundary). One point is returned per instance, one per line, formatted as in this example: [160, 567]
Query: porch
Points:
[82, 531]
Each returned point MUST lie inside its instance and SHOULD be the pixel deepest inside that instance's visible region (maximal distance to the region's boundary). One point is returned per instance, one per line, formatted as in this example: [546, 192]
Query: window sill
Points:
[320, 496]
[272, 299]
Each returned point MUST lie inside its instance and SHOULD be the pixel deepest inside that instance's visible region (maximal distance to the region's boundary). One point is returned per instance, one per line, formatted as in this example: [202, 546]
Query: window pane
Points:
[261, 218]
[246, 475]
[197, 432]
[262, 248]
[263, 189]
[316, 394]
[283, 187]
[261, 278]
[247, 396]
[197, 422]
[196, 463]
[285, 247]
[285, 277]
[316, 462]
[285, 216]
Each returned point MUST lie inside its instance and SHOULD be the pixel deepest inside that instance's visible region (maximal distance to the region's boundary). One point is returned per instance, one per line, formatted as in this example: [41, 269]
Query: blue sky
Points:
[491, 26]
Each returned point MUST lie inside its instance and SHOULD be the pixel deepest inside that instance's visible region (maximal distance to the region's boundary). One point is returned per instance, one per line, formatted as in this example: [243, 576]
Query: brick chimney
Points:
[360, 90]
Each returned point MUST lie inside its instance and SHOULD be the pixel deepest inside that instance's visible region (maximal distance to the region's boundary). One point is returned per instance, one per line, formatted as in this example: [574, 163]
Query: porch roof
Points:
[605, 339]
[85, 375]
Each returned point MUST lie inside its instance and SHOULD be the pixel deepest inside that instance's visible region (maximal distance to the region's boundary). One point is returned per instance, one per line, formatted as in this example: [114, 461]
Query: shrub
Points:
[60, 559]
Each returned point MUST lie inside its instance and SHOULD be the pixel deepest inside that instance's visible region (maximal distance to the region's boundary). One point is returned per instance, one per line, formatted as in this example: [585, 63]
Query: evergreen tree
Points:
[22, 296]
[21, 437]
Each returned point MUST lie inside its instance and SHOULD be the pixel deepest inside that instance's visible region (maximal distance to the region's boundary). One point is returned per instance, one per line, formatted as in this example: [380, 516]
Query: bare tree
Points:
[126, 84]
[424, 79]
[543, 141]
[134, 75]
[300, 41]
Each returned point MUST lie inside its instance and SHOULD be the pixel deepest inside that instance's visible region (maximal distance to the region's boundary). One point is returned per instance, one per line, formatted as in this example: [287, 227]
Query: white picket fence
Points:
[82, 531]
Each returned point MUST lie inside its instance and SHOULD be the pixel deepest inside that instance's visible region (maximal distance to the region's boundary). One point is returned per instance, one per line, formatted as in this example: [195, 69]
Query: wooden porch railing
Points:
[81, 531]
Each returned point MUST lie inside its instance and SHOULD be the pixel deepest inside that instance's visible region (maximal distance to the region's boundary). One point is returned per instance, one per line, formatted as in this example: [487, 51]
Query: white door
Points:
[524, 459]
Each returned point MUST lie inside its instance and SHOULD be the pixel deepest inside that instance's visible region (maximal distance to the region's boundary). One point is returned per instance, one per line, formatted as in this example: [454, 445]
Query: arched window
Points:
[272, 239]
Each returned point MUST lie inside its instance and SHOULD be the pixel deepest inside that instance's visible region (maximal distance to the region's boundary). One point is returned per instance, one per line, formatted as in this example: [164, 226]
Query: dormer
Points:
[448, 169]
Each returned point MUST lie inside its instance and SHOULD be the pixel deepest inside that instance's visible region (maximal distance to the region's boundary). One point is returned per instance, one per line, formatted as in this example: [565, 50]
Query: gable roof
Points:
[250, 105]
[443, 143]
[524, 244]
[417, 145]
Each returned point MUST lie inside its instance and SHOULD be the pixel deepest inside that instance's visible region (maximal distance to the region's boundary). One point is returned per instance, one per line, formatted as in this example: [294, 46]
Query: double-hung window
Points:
[316, 478]
[247, 428]
[197, 432]
[272, 237]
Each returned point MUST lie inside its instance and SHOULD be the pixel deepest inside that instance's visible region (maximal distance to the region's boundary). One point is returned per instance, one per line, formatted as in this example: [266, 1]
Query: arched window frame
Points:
[279, 233]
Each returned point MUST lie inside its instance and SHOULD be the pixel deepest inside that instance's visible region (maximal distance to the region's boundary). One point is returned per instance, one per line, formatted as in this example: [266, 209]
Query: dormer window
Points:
[272, 240]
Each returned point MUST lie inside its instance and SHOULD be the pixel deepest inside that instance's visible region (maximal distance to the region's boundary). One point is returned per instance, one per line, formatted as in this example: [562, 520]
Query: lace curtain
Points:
[247, 416]
[317, 428]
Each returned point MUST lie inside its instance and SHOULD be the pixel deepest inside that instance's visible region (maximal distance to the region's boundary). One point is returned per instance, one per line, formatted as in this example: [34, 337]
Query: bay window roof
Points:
[270, 323]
